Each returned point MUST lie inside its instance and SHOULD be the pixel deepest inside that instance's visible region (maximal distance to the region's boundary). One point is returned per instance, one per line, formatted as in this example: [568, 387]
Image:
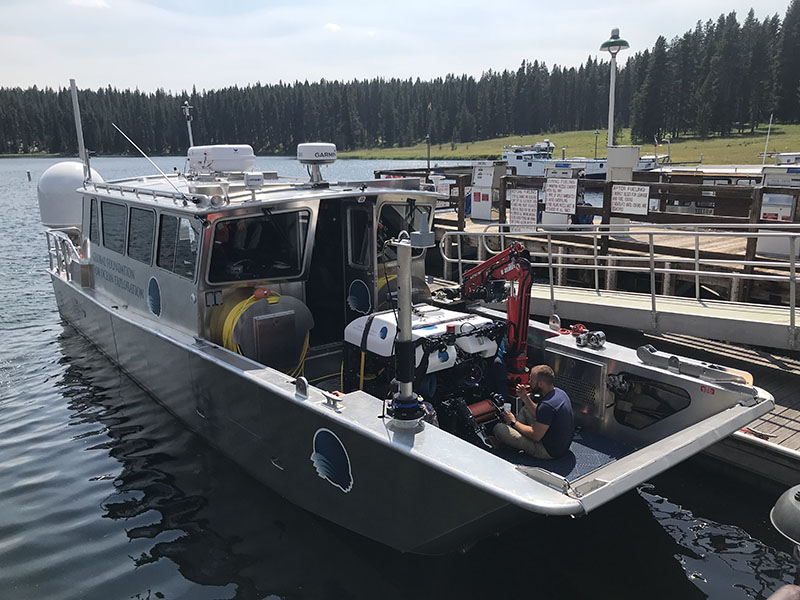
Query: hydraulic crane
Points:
[493, 281]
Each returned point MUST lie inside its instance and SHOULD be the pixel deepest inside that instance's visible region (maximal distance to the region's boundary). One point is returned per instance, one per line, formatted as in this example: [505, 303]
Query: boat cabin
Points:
[314, 255]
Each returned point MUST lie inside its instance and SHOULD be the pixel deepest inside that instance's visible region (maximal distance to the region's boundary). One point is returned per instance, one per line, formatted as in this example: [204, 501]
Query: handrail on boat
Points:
[61, 251]
[597, 262]
[153, 193]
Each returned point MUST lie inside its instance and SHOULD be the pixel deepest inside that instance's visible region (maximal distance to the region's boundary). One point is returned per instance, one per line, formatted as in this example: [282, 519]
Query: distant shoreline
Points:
[736, 148]
[36, 155]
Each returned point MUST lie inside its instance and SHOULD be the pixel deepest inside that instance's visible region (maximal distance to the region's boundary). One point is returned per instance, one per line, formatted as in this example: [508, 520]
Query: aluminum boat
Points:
[268, 315]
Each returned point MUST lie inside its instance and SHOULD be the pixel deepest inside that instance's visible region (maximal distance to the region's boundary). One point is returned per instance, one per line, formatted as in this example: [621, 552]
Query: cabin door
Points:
[359, 258]
[341, 283]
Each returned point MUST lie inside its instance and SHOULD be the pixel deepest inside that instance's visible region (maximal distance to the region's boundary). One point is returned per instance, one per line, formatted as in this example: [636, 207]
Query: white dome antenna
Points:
[315, 155]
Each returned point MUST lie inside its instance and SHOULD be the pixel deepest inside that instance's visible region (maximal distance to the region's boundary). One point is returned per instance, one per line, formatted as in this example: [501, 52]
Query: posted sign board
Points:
[481, 203]
[443, 187]
[630, 199]
[524, 207]
[560, 195]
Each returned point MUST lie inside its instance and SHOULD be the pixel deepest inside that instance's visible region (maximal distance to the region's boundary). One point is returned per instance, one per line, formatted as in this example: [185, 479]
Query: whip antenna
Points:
[114, 125]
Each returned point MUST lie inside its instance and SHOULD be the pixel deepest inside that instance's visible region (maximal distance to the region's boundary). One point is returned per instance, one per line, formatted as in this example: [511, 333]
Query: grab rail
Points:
[154, 193]
[61, 252]
[654, 263]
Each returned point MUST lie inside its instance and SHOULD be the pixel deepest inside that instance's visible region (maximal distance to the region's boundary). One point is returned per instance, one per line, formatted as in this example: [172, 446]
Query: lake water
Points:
[104, 495]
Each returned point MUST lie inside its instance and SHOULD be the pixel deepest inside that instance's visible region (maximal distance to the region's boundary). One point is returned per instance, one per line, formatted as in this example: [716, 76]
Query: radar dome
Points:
[60, 204]
[316, 153]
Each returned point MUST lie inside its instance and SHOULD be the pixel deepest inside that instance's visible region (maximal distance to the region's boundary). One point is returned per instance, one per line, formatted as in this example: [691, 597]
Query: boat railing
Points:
[149, 193]
[547, 245]
[61, 251]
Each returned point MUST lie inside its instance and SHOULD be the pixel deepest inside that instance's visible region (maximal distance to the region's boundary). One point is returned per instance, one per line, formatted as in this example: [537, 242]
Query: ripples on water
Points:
[104, 495]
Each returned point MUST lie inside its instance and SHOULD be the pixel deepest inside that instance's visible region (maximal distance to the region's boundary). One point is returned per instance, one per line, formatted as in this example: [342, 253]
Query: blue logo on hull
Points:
[331, 461]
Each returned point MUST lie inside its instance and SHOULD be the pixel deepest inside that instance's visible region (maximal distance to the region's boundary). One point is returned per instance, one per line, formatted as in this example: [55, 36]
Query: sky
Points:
[177, 44]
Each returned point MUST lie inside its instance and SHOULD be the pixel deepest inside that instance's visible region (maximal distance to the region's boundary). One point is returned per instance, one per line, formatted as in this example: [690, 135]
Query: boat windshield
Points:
[269, 246]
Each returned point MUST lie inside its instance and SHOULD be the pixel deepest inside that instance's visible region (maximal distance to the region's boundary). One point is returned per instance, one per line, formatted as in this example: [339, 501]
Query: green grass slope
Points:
[734, 149]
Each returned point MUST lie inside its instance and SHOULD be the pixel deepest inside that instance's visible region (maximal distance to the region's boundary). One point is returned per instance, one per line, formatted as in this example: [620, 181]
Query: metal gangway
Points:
[768, 325]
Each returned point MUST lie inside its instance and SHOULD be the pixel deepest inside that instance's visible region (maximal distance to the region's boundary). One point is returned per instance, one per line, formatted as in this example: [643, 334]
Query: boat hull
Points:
[393, 498]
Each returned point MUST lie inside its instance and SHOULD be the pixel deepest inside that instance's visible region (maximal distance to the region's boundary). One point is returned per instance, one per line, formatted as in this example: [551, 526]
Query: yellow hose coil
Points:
[230, 324]
[237, 311]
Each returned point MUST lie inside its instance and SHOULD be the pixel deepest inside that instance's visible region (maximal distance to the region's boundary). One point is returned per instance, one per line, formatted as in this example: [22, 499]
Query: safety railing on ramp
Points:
[735, 321]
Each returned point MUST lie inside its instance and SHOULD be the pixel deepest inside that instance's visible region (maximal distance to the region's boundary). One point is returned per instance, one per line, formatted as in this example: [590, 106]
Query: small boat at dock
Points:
[537, 159]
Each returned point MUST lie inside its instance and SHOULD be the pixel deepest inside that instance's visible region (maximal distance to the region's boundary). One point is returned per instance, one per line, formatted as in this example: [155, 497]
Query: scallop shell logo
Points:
[358, 297]
[331, 461]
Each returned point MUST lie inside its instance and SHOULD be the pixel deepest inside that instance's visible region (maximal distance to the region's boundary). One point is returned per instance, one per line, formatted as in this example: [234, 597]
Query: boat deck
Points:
[589, 451]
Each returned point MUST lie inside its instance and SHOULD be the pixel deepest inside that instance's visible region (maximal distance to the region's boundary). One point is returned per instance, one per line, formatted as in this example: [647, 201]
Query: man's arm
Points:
[535, 432]
[526, 400]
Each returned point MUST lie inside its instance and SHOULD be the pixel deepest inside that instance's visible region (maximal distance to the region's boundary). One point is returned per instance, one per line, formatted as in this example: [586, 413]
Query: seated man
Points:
[543, 430]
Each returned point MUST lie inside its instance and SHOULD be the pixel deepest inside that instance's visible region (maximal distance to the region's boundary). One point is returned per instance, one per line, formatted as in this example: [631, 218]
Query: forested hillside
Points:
[722, 76]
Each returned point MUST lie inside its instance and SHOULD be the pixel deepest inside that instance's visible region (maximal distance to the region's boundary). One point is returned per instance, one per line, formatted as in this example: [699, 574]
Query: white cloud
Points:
[90, 3]
[212, 46]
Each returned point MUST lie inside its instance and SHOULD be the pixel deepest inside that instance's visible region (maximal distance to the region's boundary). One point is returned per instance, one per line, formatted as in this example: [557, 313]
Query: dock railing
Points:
[547, 252]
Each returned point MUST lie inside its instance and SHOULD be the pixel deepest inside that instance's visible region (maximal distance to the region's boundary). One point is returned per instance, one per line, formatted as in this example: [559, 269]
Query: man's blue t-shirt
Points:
[554, 409]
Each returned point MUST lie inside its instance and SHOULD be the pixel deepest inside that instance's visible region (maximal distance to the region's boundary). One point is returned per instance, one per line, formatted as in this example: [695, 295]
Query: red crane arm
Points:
[512, 264]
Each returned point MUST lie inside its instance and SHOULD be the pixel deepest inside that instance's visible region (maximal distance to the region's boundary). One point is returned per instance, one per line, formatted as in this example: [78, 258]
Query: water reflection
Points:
[181, 503]
[749, 568]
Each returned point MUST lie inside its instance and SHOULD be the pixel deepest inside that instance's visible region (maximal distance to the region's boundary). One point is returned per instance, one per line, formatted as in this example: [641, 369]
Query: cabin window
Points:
[359, 235]
[94, 226]
[177, 245]
[267, 246]
[395, 218]
[142, 230]
[114, 221]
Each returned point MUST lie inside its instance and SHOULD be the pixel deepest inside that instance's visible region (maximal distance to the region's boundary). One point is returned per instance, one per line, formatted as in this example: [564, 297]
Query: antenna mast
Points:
[84, 155]
[766, 144]
[187, 112]
[114, 125]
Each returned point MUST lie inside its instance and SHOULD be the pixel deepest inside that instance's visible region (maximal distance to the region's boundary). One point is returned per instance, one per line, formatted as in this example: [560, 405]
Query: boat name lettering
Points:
[118, 267]
[105, 268]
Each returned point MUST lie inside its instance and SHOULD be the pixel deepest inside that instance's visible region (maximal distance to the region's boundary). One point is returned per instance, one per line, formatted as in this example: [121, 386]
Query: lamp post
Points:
[613, 46]
[596, 134]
